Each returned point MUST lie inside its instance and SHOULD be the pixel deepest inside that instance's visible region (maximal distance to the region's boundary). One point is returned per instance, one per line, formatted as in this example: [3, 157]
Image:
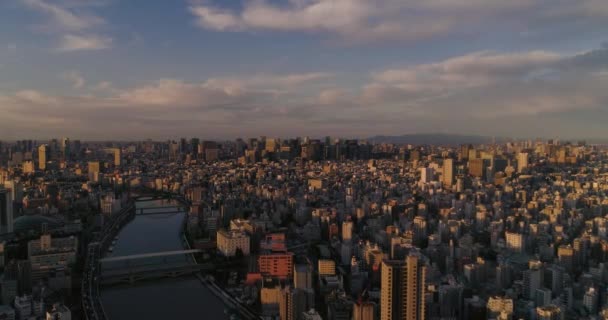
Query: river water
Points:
[183, 298]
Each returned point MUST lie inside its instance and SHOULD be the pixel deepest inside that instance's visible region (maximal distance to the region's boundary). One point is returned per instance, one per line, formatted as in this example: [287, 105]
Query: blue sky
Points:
[105, 69]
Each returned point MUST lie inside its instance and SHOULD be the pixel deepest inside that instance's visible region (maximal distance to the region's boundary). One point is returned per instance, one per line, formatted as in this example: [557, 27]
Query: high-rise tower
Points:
[402, 293]
[43, 153]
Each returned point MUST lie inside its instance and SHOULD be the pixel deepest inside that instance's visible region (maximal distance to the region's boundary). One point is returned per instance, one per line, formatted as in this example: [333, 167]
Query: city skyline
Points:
[107, 69]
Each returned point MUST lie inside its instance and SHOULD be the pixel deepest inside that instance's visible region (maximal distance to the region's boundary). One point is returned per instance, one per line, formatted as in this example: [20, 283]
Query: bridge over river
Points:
[148, 274]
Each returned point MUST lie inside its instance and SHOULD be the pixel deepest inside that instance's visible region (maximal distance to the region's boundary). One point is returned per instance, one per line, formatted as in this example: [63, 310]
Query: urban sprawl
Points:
[300, 229]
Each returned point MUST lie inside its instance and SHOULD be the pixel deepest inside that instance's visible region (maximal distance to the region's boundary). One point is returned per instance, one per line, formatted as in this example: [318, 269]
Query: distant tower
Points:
[65, 148]
[43, 152]
[347, 231]
[117, 157]
[522, 162]
[448, 172]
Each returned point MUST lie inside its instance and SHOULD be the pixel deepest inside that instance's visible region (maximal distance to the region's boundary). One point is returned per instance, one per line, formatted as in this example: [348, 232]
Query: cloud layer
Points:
[493, 92]
[364, 20]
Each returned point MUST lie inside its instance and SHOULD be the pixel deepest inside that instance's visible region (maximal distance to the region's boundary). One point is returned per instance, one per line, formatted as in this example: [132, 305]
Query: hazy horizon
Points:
[464, 138]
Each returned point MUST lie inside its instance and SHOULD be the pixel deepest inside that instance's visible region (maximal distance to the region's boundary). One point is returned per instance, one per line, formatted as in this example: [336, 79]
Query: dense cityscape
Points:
[303, 159]
[309, 228]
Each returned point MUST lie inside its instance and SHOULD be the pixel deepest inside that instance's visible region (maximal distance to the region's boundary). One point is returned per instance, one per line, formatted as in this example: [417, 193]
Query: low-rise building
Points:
[228, 242]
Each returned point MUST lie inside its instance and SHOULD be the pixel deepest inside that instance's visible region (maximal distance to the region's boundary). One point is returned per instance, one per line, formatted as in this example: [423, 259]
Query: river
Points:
[183, 298]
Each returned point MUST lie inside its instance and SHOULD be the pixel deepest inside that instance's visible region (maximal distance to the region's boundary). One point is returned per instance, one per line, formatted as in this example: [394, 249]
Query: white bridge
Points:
[149, 255]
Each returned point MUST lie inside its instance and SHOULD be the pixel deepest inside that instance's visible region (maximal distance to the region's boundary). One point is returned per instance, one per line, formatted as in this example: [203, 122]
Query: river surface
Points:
[183, 298]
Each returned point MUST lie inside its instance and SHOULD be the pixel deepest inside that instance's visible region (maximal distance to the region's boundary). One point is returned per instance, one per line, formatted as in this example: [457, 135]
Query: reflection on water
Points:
[183, 298]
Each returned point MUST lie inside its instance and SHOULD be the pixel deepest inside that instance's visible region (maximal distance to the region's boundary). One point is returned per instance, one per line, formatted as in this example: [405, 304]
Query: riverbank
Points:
[207, 281]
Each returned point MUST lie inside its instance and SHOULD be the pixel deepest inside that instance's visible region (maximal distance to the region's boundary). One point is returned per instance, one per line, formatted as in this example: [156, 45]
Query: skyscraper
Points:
[522, 161]
[402, 294]
[43, 153]
[65, 148]
[448, 172]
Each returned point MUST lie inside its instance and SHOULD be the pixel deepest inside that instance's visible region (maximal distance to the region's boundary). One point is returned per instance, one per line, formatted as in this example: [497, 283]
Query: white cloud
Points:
[491, 85]
[274, 81]
[364, 20]
[215, 18]
[333, 96]
[177, 93]
[74, 78]
[64, 18]
[103, 86]
[72, 42]
[35, 97]
[348, 18]
[471, 70]
[71, 21]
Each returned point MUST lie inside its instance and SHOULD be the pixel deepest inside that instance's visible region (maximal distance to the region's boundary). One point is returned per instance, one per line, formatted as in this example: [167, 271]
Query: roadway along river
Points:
[183, 298]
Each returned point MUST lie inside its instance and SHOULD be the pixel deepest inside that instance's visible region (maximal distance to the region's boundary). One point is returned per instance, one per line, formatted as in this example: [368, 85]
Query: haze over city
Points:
[110, 69]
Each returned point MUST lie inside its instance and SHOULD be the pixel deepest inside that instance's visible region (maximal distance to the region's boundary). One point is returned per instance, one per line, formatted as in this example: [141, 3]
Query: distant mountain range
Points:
[457, 139]
[434, 139]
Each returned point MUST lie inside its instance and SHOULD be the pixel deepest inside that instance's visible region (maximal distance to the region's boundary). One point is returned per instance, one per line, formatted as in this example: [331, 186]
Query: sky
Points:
[214, 69]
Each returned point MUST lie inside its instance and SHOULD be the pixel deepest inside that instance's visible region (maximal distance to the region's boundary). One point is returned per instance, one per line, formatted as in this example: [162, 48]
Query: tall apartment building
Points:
[448, 172]
[43, 156]
[522, 161]
[402, 294]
